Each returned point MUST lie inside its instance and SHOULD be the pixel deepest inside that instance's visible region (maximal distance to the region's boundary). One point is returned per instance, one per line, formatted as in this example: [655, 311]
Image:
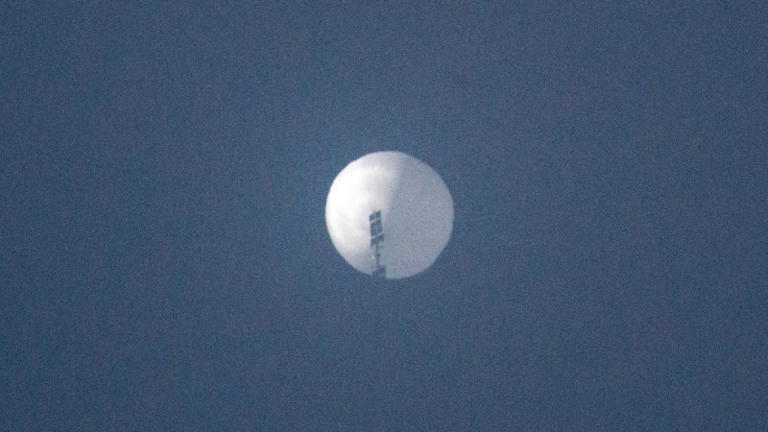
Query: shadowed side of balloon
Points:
[421, 221]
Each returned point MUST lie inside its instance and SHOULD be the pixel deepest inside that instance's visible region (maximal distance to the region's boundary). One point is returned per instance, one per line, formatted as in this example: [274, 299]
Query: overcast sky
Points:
[164, 261]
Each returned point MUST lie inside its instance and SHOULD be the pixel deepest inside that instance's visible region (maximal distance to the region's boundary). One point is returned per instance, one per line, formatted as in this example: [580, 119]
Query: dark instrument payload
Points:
[377, 238]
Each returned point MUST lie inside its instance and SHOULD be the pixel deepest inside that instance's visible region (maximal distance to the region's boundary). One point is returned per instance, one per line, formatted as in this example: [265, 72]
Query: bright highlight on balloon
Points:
[389, 214]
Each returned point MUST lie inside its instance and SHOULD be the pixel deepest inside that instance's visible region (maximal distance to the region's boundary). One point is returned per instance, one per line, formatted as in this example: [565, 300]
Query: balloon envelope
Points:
[416, 213]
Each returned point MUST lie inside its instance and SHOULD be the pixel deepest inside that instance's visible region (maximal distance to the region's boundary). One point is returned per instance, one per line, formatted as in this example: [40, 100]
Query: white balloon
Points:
[416, 213]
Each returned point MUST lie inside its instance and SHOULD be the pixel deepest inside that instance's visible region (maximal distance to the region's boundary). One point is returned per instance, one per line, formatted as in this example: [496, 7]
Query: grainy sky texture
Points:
[164, 262]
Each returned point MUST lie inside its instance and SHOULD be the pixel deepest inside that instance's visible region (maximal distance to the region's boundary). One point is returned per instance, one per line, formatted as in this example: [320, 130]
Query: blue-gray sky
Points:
[164, 260]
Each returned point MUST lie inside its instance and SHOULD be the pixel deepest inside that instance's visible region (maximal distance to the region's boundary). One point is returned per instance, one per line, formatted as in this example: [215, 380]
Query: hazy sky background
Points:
[164, 261]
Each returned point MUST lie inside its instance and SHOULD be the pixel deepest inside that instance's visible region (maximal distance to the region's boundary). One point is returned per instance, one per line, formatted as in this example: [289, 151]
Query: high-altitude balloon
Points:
[389, 214]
